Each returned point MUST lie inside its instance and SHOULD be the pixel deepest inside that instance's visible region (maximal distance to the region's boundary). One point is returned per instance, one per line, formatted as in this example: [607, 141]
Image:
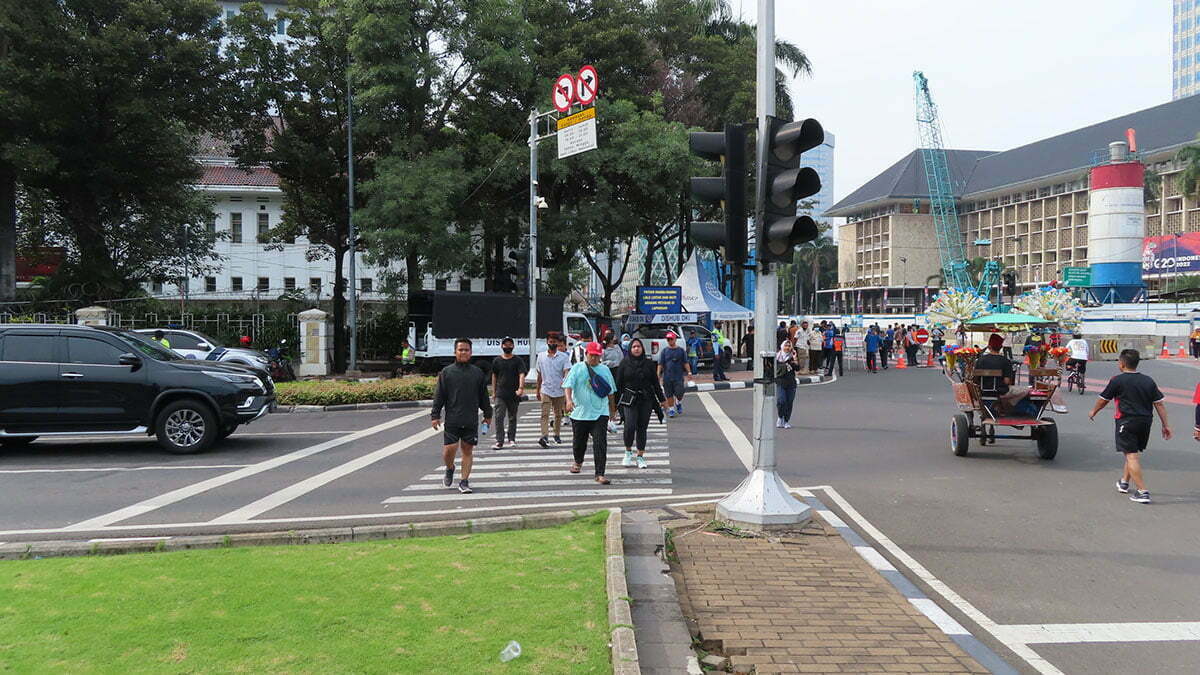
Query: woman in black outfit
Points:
[638, 393]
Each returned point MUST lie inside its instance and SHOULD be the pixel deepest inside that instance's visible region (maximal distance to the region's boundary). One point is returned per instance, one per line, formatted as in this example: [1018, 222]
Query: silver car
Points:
[192, 344]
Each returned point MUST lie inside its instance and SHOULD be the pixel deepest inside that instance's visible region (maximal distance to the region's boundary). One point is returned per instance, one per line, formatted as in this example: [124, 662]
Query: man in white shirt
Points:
[552, 367]
[1078, 357]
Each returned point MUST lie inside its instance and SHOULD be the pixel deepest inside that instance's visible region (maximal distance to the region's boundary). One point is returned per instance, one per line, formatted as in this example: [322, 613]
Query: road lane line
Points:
[737, 440]
[287, 494]
[526, 495]
[1074, 633]
[489, 485]
[166, 499]
[109, 469]
[126, 437]
[110, 539]
[937, 615]
[614, 471]
[948, 594]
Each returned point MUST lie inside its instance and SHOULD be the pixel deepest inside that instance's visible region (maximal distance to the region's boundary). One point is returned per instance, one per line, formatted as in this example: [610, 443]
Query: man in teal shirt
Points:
[589, 410]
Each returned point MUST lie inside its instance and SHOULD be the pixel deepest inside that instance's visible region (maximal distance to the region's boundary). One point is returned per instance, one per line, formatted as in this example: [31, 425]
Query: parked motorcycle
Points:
[280, 365]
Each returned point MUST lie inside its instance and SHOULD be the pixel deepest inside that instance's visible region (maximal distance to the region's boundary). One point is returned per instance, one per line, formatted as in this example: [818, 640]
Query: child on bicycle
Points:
[1079, 354]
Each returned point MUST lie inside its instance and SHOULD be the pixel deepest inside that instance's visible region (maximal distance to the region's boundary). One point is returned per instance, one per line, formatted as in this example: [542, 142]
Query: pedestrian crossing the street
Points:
[525, 470]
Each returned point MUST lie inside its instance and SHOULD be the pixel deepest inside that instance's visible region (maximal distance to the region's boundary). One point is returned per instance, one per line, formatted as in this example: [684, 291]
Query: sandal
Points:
[575, 468]
[602, 480]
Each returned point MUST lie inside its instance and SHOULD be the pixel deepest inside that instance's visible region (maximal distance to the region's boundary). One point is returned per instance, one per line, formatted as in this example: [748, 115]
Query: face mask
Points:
[507, 350]
[551, 347]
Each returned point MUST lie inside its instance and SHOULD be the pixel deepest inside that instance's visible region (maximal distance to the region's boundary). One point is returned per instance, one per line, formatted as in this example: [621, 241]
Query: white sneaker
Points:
[641, 462]
[779, 423]
[628, 461]
[786, 425]
[612, 428]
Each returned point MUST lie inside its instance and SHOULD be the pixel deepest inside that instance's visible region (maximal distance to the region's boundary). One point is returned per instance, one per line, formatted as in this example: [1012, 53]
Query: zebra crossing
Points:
[525, 470]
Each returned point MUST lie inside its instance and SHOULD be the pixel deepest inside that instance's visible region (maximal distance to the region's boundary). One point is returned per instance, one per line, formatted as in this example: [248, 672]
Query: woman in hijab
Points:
[785, 384]
[638, 392]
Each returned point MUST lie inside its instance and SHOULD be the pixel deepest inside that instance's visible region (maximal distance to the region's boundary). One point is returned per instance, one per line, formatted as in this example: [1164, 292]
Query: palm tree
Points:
[1189, 156]
[719, 20]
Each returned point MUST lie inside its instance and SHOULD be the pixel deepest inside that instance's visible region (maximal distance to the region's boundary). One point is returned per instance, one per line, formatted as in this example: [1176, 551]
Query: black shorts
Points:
[1133, 434]
[452, 435]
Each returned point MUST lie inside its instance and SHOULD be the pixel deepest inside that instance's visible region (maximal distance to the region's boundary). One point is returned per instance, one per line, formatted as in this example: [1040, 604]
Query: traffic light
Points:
[518, 270]
[784, 183]
[727, 190]
[1010, 283]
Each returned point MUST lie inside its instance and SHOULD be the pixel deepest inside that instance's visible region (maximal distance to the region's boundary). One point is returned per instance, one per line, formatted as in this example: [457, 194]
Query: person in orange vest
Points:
[1195, 342]
[839, 346]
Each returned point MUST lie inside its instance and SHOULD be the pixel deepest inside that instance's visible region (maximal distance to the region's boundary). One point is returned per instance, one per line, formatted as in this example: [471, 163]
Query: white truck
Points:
[437, 318]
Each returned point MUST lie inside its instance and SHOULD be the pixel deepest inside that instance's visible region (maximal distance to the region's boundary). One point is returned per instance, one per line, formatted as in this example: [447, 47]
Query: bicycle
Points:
[1075, 379]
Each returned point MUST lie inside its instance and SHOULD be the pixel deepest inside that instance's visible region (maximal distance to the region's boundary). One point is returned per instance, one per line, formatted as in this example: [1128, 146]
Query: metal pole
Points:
[1175, 269]
[763, 500]
[533, 238]
[352, 319]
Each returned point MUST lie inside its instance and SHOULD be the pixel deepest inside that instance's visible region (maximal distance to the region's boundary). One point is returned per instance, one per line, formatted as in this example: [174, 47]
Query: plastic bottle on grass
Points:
[511, 651]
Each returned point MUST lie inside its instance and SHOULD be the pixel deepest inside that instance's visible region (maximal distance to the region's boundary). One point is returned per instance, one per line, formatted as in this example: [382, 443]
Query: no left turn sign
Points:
[586, 85]
[564, 92]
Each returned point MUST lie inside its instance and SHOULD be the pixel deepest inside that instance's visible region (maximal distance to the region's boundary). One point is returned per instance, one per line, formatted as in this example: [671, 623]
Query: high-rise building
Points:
[1185, 48]
[821, 159]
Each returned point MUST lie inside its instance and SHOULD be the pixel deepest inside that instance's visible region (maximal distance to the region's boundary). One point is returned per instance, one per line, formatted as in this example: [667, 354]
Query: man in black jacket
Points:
[462, 391]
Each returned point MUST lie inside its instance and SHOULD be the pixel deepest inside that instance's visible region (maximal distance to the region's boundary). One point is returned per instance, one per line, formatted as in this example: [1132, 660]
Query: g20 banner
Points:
[1168, 255]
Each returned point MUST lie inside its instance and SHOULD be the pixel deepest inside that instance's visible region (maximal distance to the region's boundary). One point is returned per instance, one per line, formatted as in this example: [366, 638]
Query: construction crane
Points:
[942, 202]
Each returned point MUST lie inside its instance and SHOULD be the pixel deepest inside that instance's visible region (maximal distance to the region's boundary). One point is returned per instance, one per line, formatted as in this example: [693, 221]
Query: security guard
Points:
[161, 339]
[719, 343]
[407, 359]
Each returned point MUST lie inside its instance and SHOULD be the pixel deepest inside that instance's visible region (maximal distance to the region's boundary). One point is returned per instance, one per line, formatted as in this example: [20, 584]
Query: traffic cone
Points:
[1182, 352]
[1166, 353]
[929, 362]
[902, 362]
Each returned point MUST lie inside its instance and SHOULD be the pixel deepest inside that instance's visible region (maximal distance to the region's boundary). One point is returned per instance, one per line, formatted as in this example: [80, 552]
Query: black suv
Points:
[71, 380]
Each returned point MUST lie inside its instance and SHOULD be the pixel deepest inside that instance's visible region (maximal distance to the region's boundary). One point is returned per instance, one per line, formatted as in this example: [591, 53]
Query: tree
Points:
[298, 129]
[113, 163]
[1189, 157]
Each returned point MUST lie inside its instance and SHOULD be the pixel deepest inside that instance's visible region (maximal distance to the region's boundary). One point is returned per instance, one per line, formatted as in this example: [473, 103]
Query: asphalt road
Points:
[1024, 543]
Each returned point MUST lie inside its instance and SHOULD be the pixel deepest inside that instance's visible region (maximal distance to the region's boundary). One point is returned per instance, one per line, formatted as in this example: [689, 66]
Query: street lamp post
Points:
[1175, 268]
[904, 280]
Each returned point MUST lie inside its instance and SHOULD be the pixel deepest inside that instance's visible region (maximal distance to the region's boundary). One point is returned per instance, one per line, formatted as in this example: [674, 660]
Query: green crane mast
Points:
[942, 202]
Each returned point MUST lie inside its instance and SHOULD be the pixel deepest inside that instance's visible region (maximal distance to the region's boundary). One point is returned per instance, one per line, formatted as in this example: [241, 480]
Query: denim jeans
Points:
[785, 398]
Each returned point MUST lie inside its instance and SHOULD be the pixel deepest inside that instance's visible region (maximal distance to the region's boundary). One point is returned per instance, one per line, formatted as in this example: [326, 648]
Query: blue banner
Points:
[659, 299]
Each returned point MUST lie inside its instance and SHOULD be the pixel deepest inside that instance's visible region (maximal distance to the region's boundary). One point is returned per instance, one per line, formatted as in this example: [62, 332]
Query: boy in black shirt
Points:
[1136, 396]
[508, 382]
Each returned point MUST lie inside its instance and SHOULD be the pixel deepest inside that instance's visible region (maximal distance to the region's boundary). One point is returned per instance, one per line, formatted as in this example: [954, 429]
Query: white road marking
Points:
[166, 499]
[287, 494]
[109, 469]
[581, 480]
[937, 615]
[948, 594]
[536, 494]
[127, 437]
[631, 471]
[108, 539]
[1071, 633]
[737, 440]
[874, 559]
[524, 459]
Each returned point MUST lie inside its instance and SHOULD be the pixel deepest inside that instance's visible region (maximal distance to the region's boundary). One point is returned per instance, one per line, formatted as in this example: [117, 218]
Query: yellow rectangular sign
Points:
[581, 116]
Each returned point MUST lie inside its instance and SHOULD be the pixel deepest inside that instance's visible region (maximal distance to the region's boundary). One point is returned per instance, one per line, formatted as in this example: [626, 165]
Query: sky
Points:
[1003, 74]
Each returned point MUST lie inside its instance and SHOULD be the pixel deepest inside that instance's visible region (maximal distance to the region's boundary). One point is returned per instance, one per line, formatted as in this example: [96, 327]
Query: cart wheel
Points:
[960, 431]
[1047, 441]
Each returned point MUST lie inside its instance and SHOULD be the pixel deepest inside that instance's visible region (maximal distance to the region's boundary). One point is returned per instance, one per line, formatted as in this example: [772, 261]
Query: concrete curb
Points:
[334, 535]
[620, 615]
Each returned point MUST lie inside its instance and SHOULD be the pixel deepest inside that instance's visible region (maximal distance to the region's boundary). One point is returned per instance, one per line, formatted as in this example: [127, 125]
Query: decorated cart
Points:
[982, 396]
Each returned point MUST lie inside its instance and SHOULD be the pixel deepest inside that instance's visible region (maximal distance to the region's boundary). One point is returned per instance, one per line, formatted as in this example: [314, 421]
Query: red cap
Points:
[594, 348]
[996, 341]
[671, 335]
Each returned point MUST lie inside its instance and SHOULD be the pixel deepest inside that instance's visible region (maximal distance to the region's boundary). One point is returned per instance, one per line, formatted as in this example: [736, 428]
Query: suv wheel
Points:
[17, 441]
[186, 426]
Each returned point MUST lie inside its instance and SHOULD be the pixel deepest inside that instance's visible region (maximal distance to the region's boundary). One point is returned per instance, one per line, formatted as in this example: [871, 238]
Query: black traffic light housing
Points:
[518, 270]
[727, 190]
[1010, 283]
[785, 182]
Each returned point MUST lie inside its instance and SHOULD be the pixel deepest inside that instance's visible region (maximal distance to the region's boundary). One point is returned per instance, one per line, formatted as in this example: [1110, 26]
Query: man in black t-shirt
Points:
[992, 360]
[508, 381]
[1137, 396]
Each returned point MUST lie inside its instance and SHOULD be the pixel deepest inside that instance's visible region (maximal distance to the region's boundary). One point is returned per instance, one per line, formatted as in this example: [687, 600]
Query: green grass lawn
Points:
[435, 605]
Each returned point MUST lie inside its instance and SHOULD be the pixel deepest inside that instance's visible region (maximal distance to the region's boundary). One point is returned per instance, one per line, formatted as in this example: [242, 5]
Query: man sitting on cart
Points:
[1009, 395]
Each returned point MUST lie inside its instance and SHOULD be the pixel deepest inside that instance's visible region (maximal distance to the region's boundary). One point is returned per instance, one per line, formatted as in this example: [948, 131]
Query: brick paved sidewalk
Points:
[803, 603]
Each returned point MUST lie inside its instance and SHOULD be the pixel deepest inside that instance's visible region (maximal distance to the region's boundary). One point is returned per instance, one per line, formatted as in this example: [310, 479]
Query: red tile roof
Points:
[232, 175]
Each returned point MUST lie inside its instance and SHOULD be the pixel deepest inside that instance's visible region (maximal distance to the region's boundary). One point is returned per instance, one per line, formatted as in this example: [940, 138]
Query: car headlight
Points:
[236, 378]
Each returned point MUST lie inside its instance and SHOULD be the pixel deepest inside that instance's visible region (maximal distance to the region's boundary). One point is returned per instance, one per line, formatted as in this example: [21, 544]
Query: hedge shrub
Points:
[339, 392]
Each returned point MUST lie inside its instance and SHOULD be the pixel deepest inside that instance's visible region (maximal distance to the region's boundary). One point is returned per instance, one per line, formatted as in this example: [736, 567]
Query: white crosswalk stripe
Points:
[525, 470]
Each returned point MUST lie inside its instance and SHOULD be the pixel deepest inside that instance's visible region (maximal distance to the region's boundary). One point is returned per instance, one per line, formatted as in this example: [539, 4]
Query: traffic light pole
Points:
[533, 238]
[763, 501]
